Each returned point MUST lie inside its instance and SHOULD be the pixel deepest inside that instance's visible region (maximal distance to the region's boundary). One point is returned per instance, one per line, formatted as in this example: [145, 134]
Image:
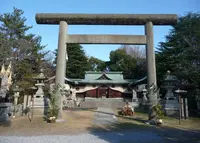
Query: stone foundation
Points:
[40, 110]
[4, 111]
[104, 99]
[108, 102]
[173, 112]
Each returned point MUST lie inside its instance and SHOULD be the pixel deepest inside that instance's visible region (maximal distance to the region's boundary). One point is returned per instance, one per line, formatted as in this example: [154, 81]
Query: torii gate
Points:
[106, 19]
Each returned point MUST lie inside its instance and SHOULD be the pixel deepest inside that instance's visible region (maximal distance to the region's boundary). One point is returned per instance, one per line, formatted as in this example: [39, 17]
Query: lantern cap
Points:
[17, 88]
[170, 77]
[40, 76]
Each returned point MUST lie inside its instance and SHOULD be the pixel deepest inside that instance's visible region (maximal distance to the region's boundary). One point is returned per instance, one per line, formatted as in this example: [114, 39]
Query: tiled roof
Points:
[92, 77]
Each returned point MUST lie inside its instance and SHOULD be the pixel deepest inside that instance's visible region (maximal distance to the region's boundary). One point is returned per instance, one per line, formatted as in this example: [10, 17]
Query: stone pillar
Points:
[134, 96]
[186, 108]
[61, 57]
[16, 96]
[61, 63]
[29, 100]
[144, 100]
[182, 109]
[15, 101]
[151, 66]
[150, 54]
[25, 102]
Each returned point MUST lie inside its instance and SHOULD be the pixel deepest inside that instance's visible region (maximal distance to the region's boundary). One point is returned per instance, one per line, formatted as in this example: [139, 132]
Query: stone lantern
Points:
[144, 100]
[170, 82]
[39, 100]
[171, 105]
[16, 91]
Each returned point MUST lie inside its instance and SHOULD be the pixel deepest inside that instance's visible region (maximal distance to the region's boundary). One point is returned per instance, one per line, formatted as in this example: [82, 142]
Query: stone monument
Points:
[40, 102]
[67, 101]
[5, 111]
[171, 105]
[144, 99]
[134, 102]
[16, 95]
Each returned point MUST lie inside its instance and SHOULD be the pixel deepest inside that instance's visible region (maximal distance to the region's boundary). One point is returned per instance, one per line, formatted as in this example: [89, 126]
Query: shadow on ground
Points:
[134, 129]
[138, 119]
[130, 132]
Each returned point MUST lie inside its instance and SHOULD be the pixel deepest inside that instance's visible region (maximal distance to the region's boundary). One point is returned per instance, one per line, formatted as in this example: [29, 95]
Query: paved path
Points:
[104, 116]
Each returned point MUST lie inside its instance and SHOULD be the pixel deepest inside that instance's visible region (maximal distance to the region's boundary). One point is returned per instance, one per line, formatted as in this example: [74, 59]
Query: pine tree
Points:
[181, 52]
[23, 49]
[77, 62]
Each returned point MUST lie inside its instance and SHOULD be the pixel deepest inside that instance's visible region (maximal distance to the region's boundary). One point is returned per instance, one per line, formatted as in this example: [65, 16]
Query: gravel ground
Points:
[98, 137]
[135, 135]
[22, 131]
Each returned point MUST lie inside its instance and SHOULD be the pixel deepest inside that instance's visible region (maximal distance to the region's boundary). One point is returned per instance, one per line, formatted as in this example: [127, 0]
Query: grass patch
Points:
[140, 117]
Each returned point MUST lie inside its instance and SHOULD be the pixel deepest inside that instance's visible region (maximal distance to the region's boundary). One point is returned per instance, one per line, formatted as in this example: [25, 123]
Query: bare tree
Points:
[136, 51]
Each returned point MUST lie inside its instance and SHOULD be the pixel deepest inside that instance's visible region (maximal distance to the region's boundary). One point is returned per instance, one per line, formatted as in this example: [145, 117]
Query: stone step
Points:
[96, 104]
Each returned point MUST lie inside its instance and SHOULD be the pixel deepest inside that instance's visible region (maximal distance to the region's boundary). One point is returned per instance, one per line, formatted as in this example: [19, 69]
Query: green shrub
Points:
[53, 109]
[159, 111]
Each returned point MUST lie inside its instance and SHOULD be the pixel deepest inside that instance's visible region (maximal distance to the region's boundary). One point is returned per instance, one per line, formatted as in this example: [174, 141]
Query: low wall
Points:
[95, 103]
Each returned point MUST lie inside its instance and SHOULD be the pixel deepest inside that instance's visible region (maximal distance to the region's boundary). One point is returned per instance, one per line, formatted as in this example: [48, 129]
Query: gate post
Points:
[150, 54]
[61, 57]
[61, 63]
[151, 67]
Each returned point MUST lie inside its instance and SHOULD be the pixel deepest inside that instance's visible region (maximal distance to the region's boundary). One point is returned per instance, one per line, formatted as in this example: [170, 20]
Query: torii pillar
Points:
[61, 57]
[150, 54]
[61, 63]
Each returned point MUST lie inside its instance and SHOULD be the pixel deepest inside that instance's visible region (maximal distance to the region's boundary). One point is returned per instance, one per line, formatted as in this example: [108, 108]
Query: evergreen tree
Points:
[23, 49]
[77, 62]
[96, 64]
[121, 61]
[181, 52]
[181, 55]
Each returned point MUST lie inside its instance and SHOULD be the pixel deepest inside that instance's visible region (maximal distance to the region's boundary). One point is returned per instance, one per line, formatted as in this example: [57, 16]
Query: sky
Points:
[49, 33]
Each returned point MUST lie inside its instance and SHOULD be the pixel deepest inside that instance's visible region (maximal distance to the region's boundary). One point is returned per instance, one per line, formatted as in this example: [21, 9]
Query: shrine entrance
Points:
[103, 92]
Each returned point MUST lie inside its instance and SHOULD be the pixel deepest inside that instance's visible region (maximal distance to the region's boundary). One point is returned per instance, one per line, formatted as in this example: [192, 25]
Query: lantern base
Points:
[39, 110]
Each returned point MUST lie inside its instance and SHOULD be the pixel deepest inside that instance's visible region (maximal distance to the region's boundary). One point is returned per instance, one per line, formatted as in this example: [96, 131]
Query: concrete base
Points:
[102, 103]
[174, 112]
[171, 107]
[4, 111]
[40, 110]
[104, 99]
